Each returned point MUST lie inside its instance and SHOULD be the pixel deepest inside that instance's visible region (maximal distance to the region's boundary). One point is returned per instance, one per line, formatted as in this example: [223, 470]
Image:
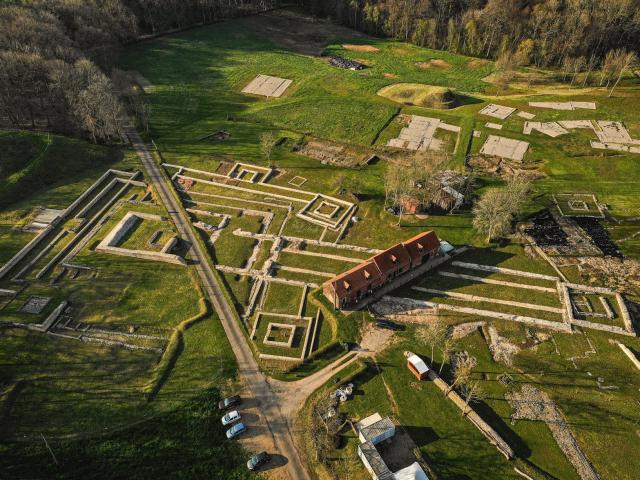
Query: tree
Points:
[471, 392]
[267, 143]
[433, 334]
[496, 209]
[463, 367]
[624, 61]
[446, 347]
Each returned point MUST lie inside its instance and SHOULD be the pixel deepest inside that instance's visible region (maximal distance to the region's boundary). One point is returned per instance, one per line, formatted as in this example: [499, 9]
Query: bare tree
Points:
[471, 392]
[432, 335]
[625, 61]
[463, 367]
[267, 144]
[446, 347]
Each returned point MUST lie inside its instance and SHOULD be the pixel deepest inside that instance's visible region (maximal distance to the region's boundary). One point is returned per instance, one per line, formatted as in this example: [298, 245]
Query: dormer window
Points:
[394, 259]
[347, 286]
[367, 275]
[420, 247]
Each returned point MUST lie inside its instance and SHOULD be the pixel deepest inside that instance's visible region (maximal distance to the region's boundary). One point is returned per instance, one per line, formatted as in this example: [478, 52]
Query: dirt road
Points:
[267, 419]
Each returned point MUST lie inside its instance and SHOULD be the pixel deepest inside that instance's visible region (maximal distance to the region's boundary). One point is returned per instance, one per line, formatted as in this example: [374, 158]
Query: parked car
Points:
[389, 325]
[229, 402]
[258, 460]
[229, 418]
[236, 430]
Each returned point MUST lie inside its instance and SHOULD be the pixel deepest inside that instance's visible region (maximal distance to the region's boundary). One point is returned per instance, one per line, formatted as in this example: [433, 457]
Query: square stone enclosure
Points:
[297, 181]
[578, 205]
[272, 327]
[35, 304]
[326, 209]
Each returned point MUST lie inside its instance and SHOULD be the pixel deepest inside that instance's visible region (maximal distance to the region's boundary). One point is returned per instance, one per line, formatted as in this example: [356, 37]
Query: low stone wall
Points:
[266, 356]
[411, 304]
[508, 271]
[630, 354]
[626, 316]
[275, 343]
[170, 245]
[26, 250]
[601, 326]
[491, 435]
[144, 255]
[53, 317]
[122, 228]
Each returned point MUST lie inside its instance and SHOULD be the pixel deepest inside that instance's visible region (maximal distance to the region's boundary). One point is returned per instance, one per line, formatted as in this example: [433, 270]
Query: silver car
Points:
[236, 430]
[230, 417]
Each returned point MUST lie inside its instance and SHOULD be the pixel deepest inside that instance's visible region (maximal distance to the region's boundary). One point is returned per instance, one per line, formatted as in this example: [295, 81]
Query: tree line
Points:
[550, 32]
[57, 57]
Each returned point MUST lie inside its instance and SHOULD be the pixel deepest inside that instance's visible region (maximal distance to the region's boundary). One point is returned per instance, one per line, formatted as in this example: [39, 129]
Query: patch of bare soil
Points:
[360, 48]
[477, 63]
[500, 167]
[296, 31]
[434, 63]
[390, 75]
[532, 404]
[375, 340]
[334, 153]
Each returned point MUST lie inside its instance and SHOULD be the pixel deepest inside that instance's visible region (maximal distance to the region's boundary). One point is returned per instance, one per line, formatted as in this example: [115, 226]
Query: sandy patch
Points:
[435, 63]
[390, 75]
[360, 48]
[477, 63]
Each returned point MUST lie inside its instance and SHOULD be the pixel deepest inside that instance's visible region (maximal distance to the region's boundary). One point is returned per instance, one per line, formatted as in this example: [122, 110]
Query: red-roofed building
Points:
[350, 287]
[424, 245]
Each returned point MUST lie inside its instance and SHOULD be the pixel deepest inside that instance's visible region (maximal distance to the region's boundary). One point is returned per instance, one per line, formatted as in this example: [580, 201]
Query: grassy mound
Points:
[420, 95]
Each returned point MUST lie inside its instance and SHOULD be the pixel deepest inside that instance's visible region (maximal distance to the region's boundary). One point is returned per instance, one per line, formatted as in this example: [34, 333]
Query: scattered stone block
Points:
[497, 111]
[570, 124]
[505, 148]
[419, 134]
[551, 129]
[495, 126]
[267, 86]
[35, 304]
[564, 105]
[526, 115]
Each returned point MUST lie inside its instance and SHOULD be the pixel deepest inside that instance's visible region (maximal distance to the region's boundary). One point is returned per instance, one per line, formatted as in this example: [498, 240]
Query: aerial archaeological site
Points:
[320, 239]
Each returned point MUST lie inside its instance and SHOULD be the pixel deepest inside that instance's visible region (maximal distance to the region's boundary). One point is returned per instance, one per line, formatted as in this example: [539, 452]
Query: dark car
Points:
[258, 460]
[229, 402]
[389, 325]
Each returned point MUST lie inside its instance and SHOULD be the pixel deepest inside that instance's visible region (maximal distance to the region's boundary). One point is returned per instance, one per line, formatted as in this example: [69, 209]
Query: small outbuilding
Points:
[375, 429]
[412, 472]
[417, 366]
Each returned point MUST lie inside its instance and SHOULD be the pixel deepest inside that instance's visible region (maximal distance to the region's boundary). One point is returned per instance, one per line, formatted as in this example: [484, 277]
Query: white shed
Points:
[412, 472]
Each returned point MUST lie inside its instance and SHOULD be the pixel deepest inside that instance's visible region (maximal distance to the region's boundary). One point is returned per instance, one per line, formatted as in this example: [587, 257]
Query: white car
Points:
[229, 418]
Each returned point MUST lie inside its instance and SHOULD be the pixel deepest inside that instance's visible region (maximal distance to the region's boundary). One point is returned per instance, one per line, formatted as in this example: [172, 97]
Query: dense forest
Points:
[57, 57]
[546, 32]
